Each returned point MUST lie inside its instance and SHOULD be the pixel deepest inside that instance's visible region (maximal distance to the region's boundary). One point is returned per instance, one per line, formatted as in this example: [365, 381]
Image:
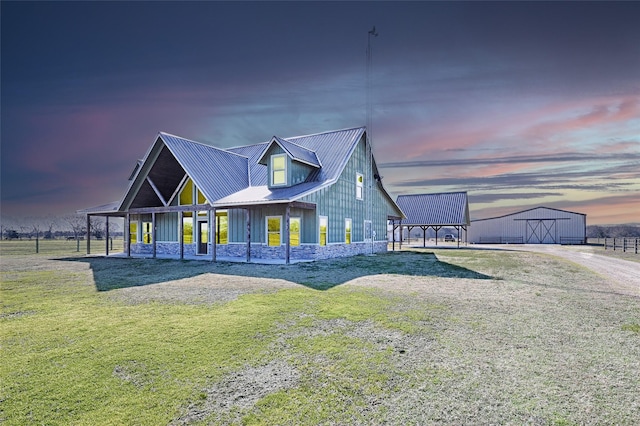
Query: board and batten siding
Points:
[540, 225]
[339, 202]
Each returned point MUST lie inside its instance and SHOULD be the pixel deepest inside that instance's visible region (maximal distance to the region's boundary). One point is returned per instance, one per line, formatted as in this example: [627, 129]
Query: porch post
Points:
[106, 235]
[153, 232]
[400, 234]
[287, 234]
[212, 228]
[393, 235]
[88, 234]
[181, 233]
[127, 233]
[248, 218]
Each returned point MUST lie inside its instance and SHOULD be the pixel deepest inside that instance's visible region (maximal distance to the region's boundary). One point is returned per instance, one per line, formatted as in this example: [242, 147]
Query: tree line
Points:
[613, 231]
[72, 226]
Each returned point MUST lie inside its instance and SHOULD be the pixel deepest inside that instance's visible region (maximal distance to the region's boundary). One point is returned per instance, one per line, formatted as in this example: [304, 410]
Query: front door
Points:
[203, 237]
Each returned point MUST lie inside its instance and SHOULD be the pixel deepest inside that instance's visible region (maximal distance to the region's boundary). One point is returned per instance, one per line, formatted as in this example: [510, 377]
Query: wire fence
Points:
[59, 246]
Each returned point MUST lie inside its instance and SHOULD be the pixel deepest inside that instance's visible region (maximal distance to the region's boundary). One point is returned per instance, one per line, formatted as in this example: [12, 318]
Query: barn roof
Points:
[529, 210]
[448, 208]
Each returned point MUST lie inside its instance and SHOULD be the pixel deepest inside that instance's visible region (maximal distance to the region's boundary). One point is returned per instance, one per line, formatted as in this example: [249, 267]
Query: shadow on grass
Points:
[113, 273]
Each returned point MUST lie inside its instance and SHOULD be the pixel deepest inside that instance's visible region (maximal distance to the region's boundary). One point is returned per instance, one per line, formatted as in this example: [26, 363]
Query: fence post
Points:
[614, 244]
[605, 243]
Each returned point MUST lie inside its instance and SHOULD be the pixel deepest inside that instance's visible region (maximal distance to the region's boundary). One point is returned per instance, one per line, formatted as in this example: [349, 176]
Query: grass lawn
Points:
[435, 336]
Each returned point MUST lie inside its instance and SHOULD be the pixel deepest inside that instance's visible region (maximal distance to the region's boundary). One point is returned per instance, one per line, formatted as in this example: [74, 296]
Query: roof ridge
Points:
[202, 144]
[324, 133]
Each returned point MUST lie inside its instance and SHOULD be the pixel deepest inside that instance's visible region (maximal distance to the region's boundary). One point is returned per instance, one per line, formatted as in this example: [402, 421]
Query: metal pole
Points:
[287, 234]
[153, 232]
[370, 173]
[106, 235]
[212, 230]
[127, 235]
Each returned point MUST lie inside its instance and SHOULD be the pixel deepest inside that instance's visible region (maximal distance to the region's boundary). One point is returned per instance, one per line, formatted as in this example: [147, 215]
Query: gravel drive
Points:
[623, 276]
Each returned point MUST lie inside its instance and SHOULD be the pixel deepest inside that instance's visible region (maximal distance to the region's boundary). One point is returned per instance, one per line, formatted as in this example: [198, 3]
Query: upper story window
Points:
[278, 169]
[186, 195]
[359, 186]
[190, 195]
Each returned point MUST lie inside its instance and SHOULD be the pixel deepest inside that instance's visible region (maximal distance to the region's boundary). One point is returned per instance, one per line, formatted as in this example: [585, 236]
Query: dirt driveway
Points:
[623, 276]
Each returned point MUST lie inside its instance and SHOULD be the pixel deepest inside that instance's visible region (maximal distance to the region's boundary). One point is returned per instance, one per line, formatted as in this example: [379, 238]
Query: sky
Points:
[520, 104]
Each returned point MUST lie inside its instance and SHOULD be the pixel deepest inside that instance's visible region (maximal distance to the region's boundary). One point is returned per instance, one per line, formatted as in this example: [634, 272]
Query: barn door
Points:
[541, 231]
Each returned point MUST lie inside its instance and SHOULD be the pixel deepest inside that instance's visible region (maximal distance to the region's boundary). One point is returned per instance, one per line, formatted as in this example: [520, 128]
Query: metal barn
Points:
[540, 225]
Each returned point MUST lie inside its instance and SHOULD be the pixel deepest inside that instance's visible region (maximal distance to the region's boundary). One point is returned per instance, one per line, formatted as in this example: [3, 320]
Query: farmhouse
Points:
[540, 225]
[307, 197]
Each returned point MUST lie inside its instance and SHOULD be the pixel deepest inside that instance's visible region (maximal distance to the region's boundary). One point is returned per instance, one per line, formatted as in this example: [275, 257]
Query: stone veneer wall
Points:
[260, 251]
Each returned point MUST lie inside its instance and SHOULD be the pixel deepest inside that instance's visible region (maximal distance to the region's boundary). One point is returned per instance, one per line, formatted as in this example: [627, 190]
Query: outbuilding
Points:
[539, 225]
[436, 211]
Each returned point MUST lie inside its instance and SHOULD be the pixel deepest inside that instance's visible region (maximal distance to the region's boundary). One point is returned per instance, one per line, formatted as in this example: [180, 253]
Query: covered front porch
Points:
[201, 240]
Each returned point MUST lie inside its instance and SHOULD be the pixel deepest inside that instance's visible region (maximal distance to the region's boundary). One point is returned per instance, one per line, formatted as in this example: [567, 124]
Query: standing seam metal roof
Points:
[449, 208]
[216, 172]
[235, 176]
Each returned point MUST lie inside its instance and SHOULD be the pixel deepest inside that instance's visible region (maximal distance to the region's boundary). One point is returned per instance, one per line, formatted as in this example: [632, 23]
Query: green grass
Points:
[57, 247]
[413, 338]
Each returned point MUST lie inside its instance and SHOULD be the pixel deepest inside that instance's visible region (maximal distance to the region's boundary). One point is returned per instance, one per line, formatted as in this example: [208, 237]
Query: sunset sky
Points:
[520, 104]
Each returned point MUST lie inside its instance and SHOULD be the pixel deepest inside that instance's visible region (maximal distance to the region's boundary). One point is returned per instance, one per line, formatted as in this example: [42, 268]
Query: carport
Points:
[435, 211]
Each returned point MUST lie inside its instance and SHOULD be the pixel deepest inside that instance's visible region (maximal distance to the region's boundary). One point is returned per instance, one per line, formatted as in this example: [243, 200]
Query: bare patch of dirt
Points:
[239, 391]
[206, 288]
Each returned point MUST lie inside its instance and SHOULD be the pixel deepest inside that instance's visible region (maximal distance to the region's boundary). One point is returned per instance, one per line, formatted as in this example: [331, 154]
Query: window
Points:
[222, 227]
[294, 231]
[367, 230]
[147, 234]
[324, 224]
[187, 228]
[278, 169]
[201, 198]
[359, 186]
[186, 195]
[133, 232]
[274, 224]
[347, 231]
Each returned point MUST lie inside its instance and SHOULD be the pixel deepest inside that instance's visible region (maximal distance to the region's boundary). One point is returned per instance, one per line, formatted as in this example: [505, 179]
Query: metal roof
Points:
[235, 176]
[333, 150]
[296, 152]
[216, 172]
[101, 209]
[448, 208]
[529, 210]
[263, 195]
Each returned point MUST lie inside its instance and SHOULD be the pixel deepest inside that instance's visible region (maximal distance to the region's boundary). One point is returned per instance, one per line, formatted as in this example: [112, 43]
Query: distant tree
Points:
[77, 223]
[98, 228]
[50, 223]
[594, 231]
[11, 234]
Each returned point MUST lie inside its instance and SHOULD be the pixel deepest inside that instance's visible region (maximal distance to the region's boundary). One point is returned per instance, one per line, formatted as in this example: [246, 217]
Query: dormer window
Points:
[278, 169]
